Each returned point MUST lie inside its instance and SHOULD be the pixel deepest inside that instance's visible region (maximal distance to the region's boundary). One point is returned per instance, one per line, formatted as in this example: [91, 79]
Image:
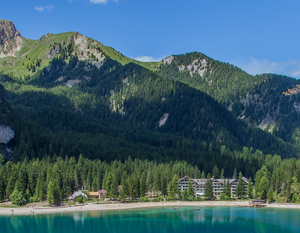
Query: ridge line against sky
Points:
[257, 36]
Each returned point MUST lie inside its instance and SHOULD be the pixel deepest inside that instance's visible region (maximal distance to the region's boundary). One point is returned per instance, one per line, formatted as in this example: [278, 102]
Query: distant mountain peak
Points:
[10, 39]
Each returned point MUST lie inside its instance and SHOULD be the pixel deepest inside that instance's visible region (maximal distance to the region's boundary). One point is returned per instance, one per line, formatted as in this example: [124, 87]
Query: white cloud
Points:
[39, 8]
[49, 8]
[147, 58]
[258, 66]
[295, 73]
[101, 1]
[43, 8]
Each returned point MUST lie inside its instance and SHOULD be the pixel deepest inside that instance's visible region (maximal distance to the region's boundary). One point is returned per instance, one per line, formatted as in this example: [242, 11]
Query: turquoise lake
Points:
[163, 219]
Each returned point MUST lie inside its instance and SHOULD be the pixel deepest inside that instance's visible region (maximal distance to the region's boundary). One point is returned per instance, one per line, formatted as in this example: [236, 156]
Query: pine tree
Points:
[288, 192]
[40, 189]
[11, 185]
[108, 185]
[156, 182]
[240, 188]
[2, 186]
[190, 189]
[185, 194]
[294, 198]
[143, 185]
[123, 194]
[203, 175]
[114, 187]
[135, 185]
[163, 185]
[149, 181]
[23, 180]
[263, 187]
[270, 195]
[250, 189]
[216, 172]
[17, 198]
[208, 191]
[53, 193]
[174, 186]
[234, 174]
[129, 185]
[50, 193]
[226, 189]
[222, 174]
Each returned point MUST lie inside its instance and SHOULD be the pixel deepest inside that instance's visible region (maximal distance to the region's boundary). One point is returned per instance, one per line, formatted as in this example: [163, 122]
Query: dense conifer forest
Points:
[97, 119]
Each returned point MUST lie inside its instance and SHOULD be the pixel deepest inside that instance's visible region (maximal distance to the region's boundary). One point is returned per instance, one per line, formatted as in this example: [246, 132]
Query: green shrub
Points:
[199, 199]
[80, 199]
[224, 197]
[144, 199]
[168, 198]
[17, 198]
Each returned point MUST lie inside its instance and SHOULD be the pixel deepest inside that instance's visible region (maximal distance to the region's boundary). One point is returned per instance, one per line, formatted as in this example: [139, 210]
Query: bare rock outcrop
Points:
[163, 119]
[197, 66]
[10, 39]
[87, 48]
[52, 52]
[6, 134]
[168, 60]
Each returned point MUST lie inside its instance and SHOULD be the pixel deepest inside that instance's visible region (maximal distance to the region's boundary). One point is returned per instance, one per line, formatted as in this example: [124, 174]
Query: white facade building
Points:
[217, 185]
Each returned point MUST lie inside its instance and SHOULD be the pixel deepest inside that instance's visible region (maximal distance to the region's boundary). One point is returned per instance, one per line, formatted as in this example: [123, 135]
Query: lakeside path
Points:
[123, 206]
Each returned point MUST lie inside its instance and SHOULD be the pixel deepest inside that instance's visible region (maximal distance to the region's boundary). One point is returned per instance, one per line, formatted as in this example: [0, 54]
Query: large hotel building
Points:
[217, 184]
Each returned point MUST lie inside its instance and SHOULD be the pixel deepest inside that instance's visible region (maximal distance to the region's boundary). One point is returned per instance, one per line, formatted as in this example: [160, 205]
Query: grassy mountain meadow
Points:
[71, 95]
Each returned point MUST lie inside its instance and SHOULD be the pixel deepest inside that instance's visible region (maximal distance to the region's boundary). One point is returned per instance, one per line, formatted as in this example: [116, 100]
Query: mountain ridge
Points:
[70, 84]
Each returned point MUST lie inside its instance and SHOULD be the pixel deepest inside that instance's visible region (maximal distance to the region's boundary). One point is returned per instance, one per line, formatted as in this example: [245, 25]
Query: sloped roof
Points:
[222, 181]
[77, 193]
[93, 193]
[200, 181]
[184, 178]
[102, 192]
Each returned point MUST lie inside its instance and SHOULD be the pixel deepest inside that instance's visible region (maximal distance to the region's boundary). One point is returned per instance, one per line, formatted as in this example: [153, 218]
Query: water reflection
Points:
[207, 219]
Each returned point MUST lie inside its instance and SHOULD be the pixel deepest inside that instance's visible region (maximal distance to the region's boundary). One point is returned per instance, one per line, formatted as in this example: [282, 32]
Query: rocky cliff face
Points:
[6, 134]
[10, 39]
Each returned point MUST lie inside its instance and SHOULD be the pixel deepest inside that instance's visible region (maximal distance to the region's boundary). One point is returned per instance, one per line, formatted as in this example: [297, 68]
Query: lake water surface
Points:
[163, 219]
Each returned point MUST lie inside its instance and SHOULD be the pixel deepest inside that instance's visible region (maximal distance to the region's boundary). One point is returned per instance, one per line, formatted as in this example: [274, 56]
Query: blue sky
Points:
[260, 36]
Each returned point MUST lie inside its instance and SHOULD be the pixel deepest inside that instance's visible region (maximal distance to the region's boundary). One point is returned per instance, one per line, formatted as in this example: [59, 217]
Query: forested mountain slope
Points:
[267, 101]
[77, 96]
[222, 81]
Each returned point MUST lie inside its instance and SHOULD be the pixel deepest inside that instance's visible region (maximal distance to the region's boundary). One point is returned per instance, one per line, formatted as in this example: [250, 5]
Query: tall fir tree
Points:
[216, 172]
[174, 186]
[114, 187]
[53, 193]
[226, 189]
[164, 185]
[191, 192]
[241, 187]
[222, 174]
[250, 188]
[234, 174]
[203, 175]
[108, 185]
[149, 181]
[208, 191]
[143, 185]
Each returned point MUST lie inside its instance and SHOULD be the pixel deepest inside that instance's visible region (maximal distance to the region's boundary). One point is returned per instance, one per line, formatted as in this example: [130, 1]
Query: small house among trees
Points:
[76, 194]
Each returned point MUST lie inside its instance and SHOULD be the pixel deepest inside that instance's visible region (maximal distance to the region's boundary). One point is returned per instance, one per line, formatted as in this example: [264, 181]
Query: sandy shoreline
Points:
[122, 206]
